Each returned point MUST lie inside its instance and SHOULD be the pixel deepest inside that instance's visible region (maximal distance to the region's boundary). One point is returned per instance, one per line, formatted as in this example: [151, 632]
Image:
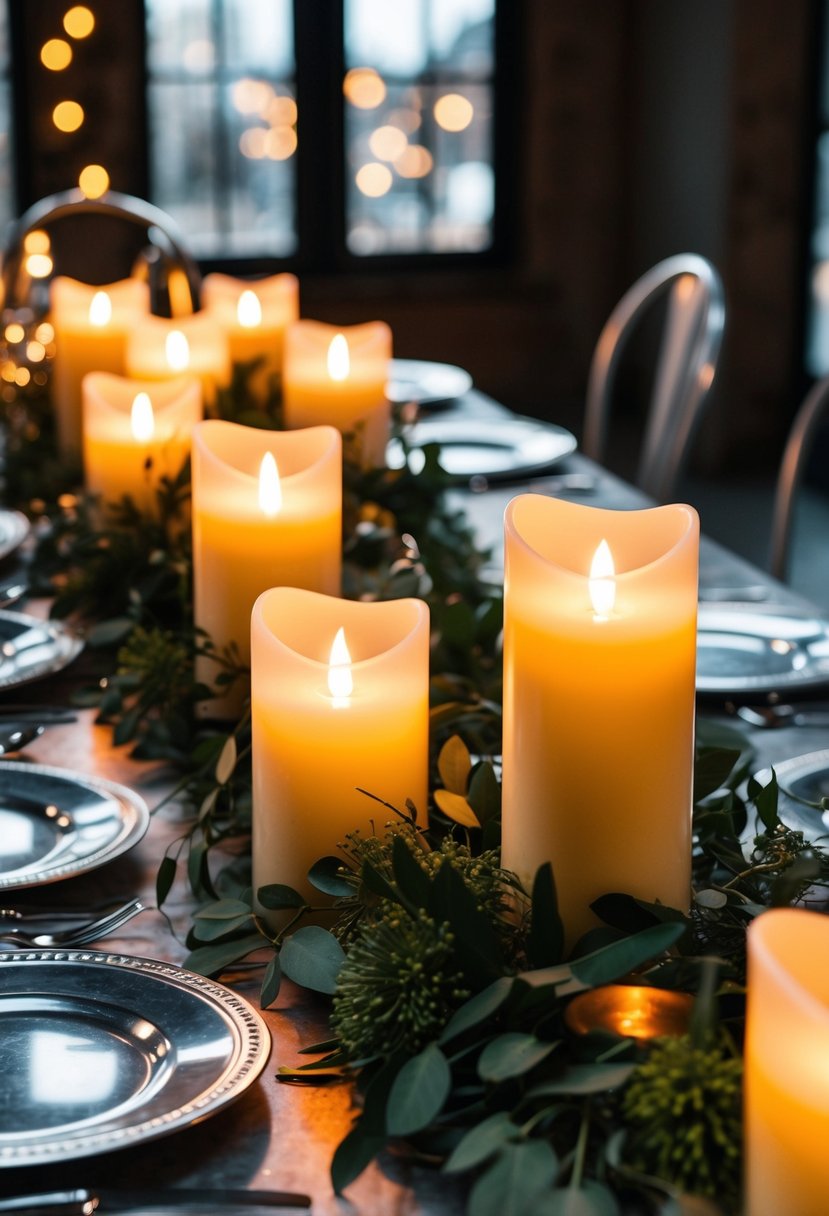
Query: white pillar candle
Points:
[256, 528]
[322, 731]
[599, 685]
[787, 1064]
[338, 376]
[91, 326]
[160, 348]
[135, 432]
[254, 313]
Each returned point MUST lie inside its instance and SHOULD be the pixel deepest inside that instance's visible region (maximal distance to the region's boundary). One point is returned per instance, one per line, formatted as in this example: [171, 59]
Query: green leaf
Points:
[227, 760]
[108, 633]
[325, 876]
[477, 948]
[484, 793]
[456, 807]
[412, 880]
[545, 942]
[764, 798]
[615, 960]
[712, 768]
[271, 981]
[277, 895]
[788, 885]
[454, 765]
[591, 1199]
[511, 1055]
[223, 909]
[419, 1091]
[371, 877]
[312, 957]
[480, 1142]
[212, 960]
[583, 1079]
[164, 879]
[477, 1009]
[513, 1183]
[353, 1154]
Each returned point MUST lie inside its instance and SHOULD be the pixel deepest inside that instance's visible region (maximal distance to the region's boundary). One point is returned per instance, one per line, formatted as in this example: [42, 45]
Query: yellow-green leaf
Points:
[454, 763]
[457, 808]
[227, 761]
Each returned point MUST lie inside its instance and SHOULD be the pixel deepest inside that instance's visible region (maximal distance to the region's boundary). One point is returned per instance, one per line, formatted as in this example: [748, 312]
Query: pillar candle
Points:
[160, 348]
[599, 683]
[787, 1064]
[91, 325]
[135, 432]
[322, 731]
[247, 539]
[254, 314]
[338, 376]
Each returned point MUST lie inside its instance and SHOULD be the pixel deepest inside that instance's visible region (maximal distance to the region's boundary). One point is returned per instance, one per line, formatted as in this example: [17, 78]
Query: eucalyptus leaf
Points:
[206, 930]
[164, 879]
[477, 1009]
[712, 768]
[276, 895]
[325, 876]
[484, 793]
[511, 1055]
[480, 1142]
[590, 1199]
[584, 1079]
[764, 798]
[454, 765]
[617, 959]
[545, 941]
[212, 960]
[223, 909]
[419, 1091]
[271, 982]
[312, 957]
[512, 1185]
[710, 899]
[227, 760]
[456, 807]
[109, 633]
[353, 1155]
[412, 880]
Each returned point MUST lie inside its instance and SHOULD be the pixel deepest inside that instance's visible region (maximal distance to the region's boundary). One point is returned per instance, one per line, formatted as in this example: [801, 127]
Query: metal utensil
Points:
[76, 935]
[15, 735]
[770, 717]
[84, 1201]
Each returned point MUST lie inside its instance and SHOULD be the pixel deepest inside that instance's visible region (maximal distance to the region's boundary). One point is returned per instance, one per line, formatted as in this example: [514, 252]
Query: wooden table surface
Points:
[276, 1135]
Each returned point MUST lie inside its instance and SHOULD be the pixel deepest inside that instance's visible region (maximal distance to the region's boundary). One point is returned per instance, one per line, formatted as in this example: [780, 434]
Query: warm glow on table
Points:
[254, 313]
[267, 512]
[91, 327]
[327, 725]
[194, 345]
[599, 683]
[787, 1065]
[338, 376]
[136, 432]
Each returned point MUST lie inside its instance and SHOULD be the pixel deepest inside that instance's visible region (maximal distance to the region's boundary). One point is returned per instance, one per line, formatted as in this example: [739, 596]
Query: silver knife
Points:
[87, 1201]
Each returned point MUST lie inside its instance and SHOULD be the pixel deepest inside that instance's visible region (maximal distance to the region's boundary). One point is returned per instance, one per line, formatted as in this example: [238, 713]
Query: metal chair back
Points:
[792, 466]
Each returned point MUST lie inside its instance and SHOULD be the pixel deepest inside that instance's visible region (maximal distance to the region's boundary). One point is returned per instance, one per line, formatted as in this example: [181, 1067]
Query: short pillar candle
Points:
[339, 377]
[787, 1065]
[599, 688]
[254, 313]
[267, 512]
[91, 326]
[333, 713]
[135, 432]
[160, 348]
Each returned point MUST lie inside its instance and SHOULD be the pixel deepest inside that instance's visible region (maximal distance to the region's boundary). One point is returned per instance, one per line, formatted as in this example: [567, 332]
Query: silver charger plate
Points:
[425, 383]
[55, 824]
[494, 448]
[14, 528]
[803, 781]
[31, 648]
[755, 650]
[103, 1051]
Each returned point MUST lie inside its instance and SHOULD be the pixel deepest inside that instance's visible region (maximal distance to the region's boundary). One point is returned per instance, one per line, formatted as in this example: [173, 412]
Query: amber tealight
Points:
[633, 1011]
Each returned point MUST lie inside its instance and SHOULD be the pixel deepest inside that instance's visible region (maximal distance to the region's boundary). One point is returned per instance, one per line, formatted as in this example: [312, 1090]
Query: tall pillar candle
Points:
[254, 313]
[339, 703]
[91, 326]
[339, 376]
[787, 1065]
[599, 685]
[267, 512]
[135, 432]
[160, 348]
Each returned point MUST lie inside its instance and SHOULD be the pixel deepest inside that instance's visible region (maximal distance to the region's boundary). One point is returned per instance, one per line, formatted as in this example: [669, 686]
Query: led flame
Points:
[100, 309]
[177, 349]
[270, 488]
[602, 582]
[339, 363]
[249, 310]
[142, 418]
[340, 680]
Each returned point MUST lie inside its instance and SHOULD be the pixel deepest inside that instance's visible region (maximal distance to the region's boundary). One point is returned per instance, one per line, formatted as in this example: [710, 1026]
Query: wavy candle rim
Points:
[221, 291]
[608, 522]
[365, 339]
[162, 393]
[769, 954]
[326, 441]
[293, 599]
[127, 298]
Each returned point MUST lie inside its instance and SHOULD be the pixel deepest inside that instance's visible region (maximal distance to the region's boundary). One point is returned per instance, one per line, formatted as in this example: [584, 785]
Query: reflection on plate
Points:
[803, 782]
[14, 528]
[753, 650]
[485, 447]
[425, 383]
[101, 1051]
[31, 648]
[55, 824]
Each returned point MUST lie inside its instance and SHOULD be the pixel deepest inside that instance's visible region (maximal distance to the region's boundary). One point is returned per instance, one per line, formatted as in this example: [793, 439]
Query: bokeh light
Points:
[374, 180]
[453, 112]
[37, 241]
[78, 21]
[387, 143]
[364, 88]
[56, 54]
[414, 161]
[39, 265]
[93, 181]
[68, 115]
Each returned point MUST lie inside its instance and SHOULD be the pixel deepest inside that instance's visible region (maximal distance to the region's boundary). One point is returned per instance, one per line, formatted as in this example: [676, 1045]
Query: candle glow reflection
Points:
[270, 487]
[339, 363]
[602, 582]
[340, 679]
[177, 350]
[100, 309]
[142, 418]
[249, 310]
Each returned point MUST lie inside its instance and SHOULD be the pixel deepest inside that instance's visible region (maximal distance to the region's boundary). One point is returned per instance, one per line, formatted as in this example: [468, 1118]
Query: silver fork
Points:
[78, 935]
